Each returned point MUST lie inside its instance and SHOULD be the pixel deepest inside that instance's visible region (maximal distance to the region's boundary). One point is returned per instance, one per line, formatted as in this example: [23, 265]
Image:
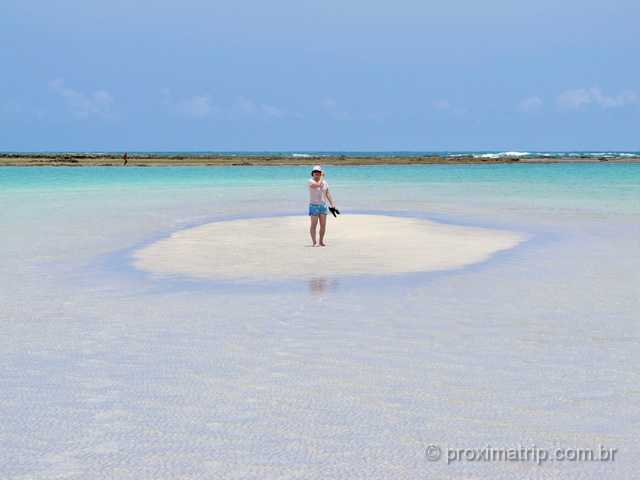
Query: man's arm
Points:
[330, 199]
[317, 184]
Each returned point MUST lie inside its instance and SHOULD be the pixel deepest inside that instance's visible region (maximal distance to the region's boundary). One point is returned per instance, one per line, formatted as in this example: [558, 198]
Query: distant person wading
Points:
[318, 197]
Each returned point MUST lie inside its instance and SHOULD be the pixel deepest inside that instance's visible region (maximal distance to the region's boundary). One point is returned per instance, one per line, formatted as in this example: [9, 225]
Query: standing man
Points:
[318, 211]
[125, 157]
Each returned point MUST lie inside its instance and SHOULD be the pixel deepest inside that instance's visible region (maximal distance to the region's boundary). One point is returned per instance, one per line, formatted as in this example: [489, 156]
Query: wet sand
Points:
[148, 160]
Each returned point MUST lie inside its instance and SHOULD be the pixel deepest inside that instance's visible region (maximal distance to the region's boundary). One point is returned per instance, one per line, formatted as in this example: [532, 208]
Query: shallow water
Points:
[111, 373]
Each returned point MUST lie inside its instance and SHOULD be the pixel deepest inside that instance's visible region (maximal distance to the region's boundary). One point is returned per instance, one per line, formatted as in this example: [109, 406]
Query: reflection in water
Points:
[320, 284]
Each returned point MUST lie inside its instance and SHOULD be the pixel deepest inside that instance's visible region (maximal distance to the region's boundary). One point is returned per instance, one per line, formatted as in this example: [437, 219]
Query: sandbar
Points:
[280, 248]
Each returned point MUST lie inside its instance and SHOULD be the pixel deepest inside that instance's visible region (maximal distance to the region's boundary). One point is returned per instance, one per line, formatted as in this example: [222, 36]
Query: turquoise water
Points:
[108, 372]
[597, 188]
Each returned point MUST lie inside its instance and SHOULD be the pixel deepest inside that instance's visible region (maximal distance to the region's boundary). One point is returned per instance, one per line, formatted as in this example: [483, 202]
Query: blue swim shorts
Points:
[318, 209]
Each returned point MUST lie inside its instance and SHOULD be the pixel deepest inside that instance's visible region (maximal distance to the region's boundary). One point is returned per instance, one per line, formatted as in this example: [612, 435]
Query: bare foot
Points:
[322, 244]
[316, 244]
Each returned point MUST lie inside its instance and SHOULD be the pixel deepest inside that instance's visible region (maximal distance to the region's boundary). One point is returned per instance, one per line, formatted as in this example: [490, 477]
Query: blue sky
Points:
[195, 75]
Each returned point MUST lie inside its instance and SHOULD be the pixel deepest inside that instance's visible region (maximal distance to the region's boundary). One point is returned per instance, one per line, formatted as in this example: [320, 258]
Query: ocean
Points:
[110, 371]
[478, 153]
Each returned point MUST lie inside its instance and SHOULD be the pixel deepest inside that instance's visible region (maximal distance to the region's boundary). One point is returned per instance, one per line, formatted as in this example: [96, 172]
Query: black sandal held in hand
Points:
[334, 211]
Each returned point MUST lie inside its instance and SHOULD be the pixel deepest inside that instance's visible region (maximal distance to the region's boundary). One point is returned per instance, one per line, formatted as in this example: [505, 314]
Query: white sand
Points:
[280, 248]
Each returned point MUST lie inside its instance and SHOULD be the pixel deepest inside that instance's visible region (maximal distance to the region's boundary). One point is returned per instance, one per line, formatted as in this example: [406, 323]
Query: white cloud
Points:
[271, 111]
[378, 116]
[196, 107]
[610, 102]
[530, 104]
[582, 98]
[166, 96]
[573, 99]
[445, 105]
[246, 108]
[331, 107]
[202, 106]
[82, 105]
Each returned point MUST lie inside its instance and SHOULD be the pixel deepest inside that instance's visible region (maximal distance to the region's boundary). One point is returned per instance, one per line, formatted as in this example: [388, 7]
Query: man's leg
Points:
[323, 227]
[312, 230]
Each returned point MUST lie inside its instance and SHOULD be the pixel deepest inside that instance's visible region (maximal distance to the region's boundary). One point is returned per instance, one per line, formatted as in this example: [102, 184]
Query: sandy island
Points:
[148, 160]
[280, 248]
